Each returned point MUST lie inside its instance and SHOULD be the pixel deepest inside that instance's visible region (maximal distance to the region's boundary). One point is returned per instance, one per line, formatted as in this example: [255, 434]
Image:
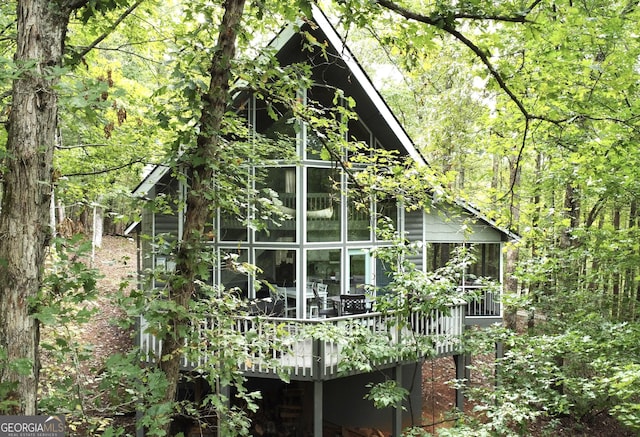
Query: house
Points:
[320, 257]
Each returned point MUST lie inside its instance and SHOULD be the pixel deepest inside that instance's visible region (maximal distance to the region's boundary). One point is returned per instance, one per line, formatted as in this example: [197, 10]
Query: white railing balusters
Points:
[286, 345]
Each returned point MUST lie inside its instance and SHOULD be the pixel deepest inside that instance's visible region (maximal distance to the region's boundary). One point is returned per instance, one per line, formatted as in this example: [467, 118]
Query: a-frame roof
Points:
[344, 72]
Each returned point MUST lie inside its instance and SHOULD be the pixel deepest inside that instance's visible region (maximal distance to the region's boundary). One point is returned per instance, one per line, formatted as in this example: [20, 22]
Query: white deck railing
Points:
[487, 304]
[328, 348]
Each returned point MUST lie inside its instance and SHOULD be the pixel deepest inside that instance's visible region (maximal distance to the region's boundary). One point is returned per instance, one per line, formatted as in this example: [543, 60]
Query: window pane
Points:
[359, 217]
[231, 276]
[382, 277]
[277, 266]
[232, 228]
[439, 254]
[323, 205]
[276, 123]
[488, 261]
[282, 181]
[323, 266]
[357, 273]
[321, 98]
[387, 208]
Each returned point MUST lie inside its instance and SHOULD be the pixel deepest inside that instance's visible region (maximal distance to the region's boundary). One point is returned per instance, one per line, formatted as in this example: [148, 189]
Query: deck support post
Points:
[139, 428]
[223, 390]
[462, 362]
[396, 420]
[318, 405]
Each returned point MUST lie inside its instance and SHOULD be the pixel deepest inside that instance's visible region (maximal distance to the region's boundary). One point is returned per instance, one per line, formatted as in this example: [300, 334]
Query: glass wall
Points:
[323, 204]
[279, 185]
[323, 266]
[487, 255]
[232, 276]
[277, 266]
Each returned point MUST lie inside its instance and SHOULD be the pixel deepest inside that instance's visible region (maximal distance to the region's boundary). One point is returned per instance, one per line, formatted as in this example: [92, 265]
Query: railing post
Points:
[317, 358]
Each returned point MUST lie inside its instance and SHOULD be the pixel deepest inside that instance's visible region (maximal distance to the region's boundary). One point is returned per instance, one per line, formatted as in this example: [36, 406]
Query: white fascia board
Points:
[152, 178]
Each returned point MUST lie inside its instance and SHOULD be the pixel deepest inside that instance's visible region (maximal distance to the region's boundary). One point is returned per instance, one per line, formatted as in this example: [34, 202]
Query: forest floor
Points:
[116, 261]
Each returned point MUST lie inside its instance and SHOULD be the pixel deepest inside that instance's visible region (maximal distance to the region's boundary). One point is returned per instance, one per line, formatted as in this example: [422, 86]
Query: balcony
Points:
[322, 349]
[486, 309]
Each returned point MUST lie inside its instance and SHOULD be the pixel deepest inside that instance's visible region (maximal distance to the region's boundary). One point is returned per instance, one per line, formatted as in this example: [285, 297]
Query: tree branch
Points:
[445, 23]
[126, 52]
[105, 170]
[115, 24]
[81, 146]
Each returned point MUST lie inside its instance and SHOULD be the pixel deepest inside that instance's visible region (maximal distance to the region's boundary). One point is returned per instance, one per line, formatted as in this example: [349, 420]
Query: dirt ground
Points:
[116, 261]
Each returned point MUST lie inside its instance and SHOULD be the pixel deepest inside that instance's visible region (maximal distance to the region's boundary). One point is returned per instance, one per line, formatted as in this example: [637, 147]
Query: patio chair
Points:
[353, 304]
[320, 297]
[289, 304]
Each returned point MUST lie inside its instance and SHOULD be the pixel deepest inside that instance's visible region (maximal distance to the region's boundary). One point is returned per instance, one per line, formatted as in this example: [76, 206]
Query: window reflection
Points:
[487, 255]
[232, 274]
[282, 181]
[277, 266]
[323, 266]
[323, 211]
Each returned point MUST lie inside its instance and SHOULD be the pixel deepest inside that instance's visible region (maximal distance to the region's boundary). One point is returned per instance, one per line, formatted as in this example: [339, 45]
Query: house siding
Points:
[445, 227]
[414, 231]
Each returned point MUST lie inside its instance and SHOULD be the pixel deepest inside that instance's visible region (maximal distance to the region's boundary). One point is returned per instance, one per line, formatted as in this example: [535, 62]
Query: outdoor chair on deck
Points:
[320, 297]
[270, 307]
[289, 303]
[353, 304]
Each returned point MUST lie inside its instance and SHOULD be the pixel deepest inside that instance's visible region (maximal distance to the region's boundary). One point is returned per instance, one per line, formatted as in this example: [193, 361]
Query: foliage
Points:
[555, 123]
[386, 394]
[622, 386]
[215, 313]
[543, 377]
[559, 107]
[65, 304]
[108, 127]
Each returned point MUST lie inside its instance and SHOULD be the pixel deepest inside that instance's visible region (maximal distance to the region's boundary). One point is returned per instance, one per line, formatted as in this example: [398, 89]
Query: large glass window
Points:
[277, 266]
[323, 266]
[323, 205]
[321, 98]
[279, 185]
[487, 255]
[359, 215]
[233, 276]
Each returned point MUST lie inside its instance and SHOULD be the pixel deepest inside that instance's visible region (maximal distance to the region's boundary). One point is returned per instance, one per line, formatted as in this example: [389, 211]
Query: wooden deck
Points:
[321, 349]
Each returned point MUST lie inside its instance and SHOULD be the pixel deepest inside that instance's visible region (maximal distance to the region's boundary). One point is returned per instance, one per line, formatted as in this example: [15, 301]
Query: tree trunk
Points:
[616, 278]
[632, 273]
[200, 165]
[24, 231]
[572, 211]
[510, 282]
